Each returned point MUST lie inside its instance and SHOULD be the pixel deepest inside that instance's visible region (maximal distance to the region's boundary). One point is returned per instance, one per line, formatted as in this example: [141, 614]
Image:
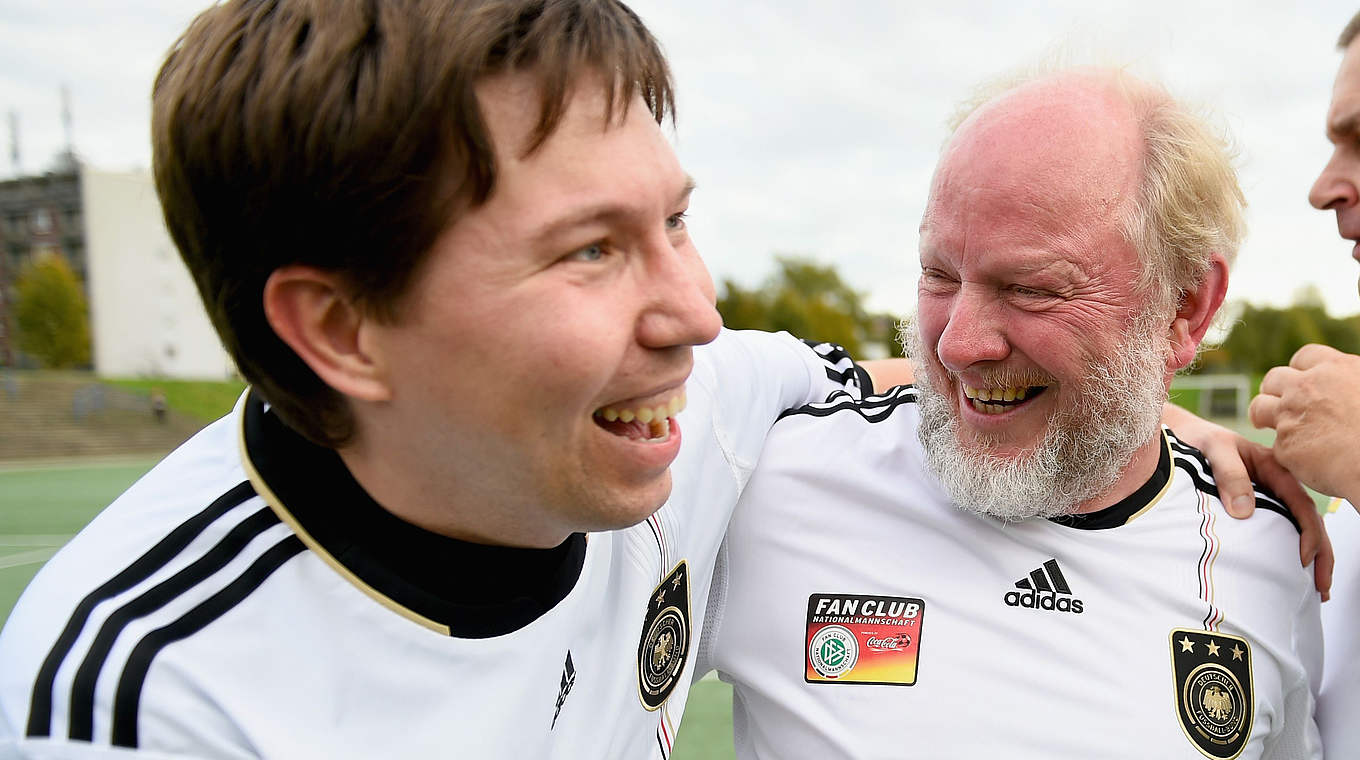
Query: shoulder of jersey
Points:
[841, 369]
[874, 408]
[1191, 460]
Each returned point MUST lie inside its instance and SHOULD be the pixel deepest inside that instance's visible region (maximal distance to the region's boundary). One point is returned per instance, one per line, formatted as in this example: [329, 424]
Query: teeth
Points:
[1014, 393]
[655, 417]
[659, 429]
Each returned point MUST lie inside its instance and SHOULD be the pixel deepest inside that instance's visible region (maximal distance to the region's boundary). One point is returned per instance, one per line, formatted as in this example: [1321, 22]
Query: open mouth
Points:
[651, 423]
[1001, 400]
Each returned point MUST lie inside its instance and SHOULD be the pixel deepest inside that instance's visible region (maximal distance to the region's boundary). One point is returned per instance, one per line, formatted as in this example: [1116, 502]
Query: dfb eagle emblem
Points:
[664, 645]
[1215, 701]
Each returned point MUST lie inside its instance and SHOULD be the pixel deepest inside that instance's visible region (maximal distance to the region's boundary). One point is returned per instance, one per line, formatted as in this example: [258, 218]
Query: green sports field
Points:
[42, 505]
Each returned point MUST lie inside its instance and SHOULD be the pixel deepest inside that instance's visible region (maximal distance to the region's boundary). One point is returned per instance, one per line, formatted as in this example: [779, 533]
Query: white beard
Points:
[1084, 449]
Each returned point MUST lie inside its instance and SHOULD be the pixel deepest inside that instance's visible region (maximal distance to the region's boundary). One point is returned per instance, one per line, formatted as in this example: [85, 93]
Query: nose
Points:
[681, 307]
[975, 331]
[1335, 187]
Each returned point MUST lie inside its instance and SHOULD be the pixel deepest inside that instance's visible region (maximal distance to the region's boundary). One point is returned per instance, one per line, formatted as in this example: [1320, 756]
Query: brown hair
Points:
[1348, 34]
[346, 135]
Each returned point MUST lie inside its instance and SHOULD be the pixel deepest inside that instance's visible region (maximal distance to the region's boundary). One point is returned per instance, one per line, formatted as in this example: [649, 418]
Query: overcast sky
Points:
[812, 127]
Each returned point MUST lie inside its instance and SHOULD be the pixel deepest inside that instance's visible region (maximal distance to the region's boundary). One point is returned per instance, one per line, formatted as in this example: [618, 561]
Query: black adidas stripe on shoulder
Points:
[873, 408]
[130, 681]
[1192, 461]
[40, 705]
[127, 696]
[82, 688]
[841, 367]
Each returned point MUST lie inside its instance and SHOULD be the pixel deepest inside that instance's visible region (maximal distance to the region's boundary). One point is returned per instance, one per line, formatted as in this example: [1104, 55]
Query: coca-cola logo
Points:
[894, 643]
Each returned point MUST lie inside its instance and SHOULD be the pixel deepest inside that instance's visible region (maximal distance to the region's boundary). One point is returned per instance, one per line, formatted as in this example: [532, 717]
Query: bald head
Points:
[1068, 143]
[1141, 159]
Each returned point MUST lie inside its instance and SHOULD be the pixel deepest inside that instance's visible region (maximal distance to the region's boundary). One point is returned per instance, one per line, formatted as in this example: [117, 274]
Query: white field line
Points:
[37, 556]
[34, 539]
[79, 463]
[44, 546]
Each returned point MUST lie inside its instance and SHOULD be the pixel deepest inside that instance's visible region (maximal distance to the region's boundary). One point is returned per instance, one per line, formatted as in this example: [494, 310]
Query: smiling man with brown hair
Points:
[445, 242]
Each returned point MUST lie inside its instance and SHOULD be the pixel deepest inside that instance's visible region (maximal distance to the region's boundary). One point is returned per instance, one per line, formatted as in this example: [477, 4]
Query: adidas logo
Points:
[1044, 589]
[568, 681]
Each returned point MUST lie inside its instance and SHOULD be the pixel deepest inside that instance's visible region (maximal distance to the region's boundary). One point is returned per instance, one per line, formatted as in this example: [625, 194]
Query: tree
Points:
[50, 314]
[810, 301]
[1263, 336]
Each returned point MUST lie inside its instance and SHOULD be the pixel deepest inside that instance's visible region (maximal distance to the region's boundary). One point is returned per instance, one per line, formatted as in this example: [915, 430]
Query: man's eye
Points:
[1024, 291]
[677, 221]
[592, 252]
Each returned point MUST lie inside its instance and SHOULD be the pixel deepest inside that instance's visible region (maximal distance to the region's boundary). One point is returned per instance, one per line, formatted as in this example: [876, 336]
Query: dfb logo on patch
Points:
[1214, 695]
[664, 645]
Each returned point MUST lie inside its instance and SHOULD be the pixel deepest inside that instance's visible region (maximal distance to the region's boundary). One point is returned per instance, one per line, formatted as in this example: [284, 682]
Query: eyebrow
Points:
[600, 211]
[1347, 125]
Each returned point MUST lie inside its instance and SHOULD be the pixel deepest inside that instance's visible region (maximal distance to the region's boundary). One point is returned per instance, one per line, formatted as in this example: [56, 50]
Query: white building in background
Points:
[146, 318]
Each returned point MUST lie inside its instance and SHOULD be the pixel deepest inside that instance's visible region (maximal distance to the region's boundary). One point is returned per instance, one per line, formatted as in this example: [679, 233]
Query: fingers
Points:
[1325, 557]
[1230, 475]
[1279, 379]
[1263, 410]
[1312, 355]
[1322, 571]
[1313, 543]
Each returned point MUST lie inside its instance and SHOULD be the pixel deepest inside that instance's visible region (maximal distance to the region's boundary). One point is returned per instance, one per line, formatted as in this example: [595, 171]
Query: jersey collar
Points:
[454, 587]
[1132, 506]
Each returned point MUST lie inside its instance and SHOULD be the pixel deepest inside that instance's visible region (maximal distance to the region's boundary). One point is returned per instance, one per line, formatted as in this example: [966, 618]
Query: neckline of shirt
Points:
[458, 588]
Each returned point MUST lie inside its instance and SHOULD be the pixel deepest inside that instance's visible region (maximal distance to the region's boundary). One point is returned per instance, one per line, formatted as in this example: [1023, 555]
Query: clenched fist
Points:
[1314, 407]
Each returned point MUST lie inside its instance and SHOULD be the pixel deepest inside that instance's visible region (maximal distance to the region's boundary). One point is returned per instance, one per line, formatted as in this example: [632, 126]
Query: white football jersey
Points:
[859, 614]
[1339, 703]
[247, 599]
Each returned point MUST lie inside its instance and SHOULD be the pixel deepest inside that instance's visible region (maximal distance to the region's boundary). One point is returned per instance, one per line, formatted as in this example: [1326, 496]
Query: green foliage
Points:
[1265, 336]
[204, 400]
[51, 315]
[810, 301]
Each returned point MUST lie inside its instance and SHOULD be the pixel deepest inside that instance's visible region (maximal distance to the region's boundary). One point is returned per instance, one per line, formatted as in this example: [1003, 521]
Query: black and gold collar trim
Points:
[1131, 506]
[454, 587]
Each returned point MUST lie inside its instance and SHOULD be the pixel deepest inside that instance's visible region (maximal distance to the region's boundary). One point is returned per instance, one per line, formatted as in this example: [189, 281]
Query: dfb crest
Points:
[1214, 697]
[664, 645]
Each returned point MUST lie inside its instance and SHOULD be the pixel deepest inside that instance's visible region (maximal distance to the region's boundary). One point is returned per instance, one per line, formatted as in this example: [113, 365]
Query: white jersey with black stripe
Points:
[246, 599]
[858, 613]
[1339, 702]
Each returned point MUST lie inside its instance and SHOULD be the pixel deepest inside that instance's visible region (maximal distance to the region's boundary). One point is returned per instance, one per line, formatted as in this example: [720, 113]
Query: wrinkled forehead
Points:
[1061, 148]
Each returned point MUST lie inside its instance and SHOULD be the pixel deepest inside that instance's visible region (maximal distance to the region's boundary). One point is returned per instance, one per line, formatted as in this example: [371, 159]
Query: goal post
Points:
[1220, 395]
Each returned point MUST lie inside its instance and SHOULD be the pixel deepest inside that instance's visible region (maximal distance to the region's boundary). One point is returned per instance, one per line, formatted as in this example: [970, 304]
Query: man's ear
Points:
[1196, 313]
[311, 311]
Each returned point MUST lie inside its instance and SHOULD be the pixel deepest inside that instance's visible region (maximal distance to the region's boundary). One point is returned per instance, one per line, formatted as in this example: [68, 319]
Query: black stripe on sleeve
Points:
[1265, 499]
[872, 408]
[82, 688]
[129, 692]
[853, 376]
[40, 706]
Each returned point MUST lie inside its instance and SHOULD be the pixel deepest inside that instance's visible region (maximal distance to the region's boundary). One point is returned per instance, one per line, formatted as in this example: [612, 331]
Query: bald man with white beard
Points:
[1013, 558]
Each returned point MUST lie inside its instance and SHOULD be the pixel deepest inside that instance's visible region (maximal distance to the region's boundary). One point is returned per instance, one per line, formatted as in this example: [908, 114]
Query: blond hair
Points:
[1188, 204]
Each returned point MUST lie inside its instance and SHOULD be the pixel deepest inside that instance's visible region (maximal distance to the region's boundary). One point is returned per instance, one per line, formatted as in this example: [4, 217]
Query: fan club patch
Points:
[1214, 698]
[854, 638]
[664, 645]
